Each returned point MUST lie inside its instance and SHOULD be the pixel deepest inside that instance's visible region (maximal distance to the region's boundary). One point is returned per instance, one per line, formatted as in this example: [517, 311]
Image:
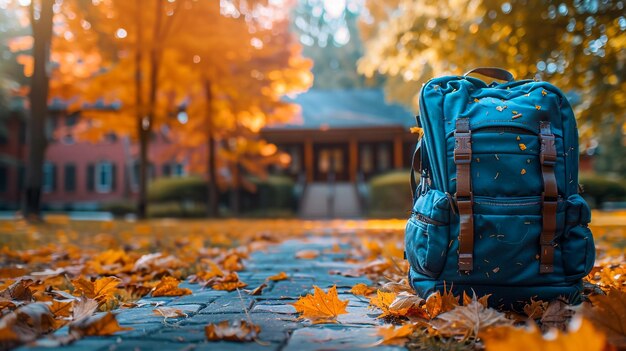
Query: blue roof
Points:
[360, 108]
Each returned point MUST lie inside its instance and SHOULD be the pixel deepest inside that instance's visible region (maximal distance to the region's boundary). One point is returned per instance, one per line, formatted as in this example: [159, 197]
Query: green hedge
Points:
[273, 193]
[390, 195]
[601, 188]
[178, 189]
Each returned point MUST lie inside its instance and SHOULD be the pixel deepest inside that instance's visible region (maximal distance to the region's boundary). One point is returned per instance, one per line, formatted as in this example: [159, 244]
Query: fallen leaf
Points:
[61, 308]
[393, 335]
[321, 307]
[279, 276]
[98, 325]
[361, 289]
[232, 263]
[19, 291]
[101, 290]
[608, 314]
[168, 286]
[535, 309]
[468, 321]
[522, 146]
[258, 290]
[83, 308]
[436, 303]
[408, 305]
[582, 336]
[383, 300]
[169, 312]
[240, 331]
[556, 315]
[229, 282]
[483, 300]
[307, 254]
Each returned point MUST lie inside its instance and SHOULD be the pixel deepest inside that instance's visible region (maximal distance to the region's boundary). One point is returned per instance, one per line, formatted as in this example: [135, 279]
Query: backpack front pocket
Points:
[427, 233]
[577, 241]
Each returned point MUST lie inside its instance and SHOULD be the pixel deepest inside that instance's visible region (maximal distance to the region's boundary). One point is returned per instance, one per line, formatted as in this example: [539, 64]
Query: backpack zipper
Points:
[503, 129]
[420, 217]
[508, 203]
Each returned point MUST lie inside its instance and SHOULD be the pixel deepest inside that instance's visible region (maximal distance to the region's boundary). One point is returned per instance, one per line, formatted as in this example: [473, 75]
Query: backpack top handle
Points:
[492, 72]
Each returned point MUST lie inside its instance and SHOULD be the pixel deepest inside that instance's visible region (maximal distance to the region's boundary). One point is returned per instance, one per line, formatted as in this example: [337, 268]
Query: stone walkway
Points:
[280, 327]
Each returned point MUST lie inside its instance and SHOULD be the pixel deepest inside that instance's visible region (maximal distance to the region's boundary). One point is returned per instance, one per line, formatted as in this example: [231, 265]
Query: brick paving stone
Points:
[237, 302]
[284, 309]
[335, 338]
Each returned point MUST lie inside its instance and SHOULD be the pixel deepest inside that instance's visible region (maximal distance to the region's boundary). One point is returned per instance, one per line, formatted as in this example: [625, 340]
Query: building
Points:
[349, 133]
[78, 175]
[341, 139]
[342, 136]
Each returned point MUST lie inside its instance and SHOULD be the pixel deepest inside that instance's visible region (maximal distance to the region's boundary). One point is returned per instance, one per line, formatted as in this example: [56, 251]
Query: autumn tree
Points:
[577, 45]
[247, 63]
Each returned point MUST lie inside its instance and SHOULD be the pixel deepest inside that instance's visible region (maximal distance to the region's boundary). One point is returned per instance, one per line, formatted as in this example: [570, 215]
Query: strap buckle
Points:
[463, 148]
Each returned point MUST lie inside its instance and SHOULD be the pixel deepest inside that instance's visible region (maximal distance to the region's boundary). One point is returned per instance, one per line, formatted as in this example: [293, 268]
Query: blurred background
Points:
[273, 108]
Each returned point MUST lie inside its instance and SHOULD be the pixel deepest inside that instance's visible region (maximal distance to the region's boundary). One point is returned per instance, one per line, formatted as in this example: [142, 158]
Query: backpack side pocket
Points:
[578, 249]
[427, 233]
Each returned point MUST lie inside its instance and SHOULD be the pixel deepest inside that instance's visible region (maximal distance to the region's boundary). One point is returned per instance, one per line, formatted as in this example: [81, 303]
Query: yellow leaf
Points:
[383, 300]
[321, 307]
[229, 282]
[582, 336]
[522, 146]
[393, 335]
[101, 290]
[168, 286]
[362, 290]
[279, 276]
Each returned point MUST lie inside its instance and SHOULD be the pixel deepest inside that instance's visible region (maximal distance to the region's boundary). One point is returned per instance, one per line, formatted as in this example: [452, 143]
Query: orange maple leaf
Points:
[393, 335]
[321, 307]
[307, 254]
[168, 286]
[582, 336]
[98, 325]
[101, 290]
[362, 290]
[383, 300]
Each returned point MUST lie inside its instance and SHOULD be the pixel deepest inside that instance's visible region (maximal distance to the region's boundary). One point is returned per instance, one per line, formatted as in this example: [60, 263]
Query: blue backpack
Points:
[497, 209]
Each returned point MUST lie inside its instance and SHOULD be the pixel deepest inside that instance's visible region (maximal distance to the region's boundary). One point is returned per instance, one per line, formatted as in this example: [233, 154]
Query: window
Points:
[178, 169]
[4, 179]
[104, 177]
[367, 159]
[70, 177]
[384, 157]
[49, 177]
[295, 166]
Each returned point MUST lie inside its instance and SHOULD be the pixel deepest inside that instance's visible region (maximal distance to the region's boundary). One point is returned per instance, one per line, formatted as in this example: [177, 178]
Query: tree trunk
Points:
[143, 138]
[212, 189]
[42, 33]
[235, 200]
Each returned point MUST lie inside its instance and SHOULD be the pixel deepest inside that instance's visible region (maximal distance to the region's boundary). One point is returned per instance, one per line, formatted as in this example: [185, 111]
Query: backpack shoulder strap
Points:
[464, 198]
[549, 197]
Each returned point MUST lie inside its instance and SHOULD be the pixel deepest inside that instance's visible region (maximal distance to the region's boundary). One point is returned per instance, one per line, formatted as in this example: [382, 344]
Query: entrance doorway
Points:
[331, 160]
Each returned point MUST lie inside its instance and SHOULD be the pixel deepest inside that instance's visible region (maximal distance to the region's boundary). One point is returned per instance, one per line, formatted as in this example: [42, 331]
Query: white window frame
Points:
[46, 184]
[104, 184]
[178, 169]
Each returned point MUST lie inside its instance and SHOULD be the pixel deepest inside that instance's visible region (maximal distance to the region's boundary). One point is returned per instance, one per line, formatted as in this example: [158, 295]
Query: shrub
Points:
[273, 193]
[119, 208]
[390, 195]
[601, 188]
[178, 189]
[177, 210]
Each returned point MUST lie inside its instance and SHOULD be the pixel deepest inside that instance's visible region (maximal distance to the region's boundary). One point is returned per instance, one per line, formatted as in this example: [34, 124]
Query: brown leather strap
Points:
[549, 199]
[464, 200]
[492, 72]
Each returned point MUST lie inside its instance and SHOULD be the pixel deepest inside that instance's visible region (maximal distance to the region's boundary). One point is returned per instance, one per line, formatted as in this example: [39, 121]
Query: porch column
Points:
[397, 151]
[353, 156]
[308, 159]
